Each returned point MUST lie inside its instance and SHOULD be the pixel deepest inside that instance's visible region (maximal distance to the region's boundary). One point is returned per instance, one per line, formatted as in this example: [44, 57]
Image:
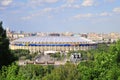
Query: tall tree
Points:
[6, 57]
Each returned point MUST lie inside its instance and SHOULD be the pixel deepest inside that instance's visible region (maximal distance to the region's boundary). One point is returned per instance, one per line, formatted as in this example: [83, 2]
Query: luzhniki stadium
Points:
[52, 43]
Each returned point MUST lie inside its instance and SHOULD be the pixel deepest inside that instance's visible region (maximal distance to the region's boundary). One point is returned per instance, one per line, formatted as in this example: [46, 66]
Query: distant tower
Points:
[54, 34]
[8, 30]
[8, 33]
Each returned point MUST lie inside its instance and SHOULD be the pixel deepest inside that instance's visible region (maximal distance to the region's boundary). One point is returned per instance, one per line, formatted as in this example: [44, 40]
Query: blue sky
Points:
[61, 15]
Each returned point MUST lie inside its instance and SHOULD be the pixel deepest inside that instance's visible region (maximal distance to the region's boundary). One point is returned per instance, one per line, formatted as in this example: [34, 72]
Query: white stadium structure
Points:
[52, 43]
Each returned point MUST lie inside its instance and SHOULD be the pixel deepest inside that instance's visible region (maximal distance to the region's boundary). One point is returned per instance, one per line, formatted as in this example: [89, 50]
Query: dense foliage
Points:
[22, 54]
[28, 72]
[6, 57]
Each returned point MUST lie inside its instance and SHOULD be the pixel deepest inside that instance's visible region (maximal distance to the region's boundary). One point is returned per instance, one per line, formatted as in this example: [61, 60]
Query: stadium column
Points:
[71, 46]
[68, 48]
[50, 47]
[81, 46]
[39, 48]
[55, 47]
[22, 46]
[77, 45]
[27, 46]
[84, 45]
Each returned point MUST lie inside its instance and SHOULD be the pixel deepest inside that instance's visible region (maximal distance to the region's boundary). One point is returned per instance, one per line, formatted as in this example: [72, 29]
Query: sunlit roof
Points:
[53, 39]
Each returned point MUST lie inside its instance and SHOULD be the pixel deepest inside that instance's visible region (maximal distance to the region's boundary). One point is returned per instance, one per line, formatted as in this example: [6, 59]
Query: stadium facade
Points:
[52, 43]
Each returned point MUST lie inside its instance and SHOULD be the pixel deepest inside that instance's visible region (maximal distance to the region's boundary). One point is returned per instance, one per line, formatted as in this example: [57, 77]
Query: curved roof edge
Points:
[53, 39]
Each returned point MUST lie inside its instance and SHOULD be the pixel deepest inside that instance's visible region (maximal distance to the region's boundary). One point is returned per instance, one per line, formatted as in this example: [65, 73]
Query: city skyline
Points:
[61, 15]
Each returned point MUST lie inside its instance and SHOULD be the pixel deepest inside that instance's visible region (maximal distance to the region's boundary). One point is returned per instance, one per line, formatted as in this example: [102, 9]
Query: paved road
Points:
[44, 58]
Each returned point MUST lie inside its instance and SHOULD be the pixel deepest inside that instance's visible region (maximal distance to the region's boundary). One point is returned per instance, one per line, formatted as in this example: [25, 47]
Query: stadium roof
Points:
[53, 39]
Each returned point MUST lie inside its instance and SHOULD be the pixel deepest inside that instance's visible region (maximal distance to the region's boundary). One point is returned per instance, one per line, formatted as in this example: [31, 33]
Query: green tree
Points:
[63, 72]
[103, 47]
[6, 57]
[9, 72]
[104, 66]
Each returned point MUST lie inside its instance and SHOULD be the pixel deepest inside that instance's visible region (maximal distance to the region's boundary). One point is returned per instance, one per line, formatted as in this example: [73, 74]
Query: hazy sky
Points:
[61, 15]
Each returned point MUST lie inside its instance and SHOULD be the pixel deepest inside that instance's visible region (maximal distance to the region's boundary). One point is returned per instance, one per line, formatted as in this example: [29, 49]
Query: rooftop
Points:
[53, 39]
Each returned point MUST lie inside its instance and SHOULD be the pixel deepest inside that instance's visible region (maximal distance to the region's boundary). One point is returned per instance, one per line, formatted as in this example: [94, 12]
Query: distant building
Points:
[54, 34]
[67, 34]
[53, 43]
[84, 35]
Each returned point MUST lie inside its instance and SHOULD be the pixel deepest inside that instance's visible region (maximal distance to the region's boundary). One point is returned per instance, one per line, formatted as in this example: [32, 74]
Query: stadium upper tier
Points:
[54, 43]
[38, 39]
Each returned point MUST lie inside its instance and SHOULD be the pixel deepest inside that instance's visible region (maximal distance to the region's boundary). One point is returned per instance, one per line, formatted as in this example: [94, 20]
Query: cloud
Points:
[39, 13]
[50, 16]
[109, 0]
[70, 6]
[47, 9]
[88, 3]
[31, 16]
[41, 1]
[76, 6]
[70, 1]
[26, 17]
[105, 14]
[80, 16]
[50, 1]
[2, 8]
[116, 10]
[91, 15]
[5, 2]
[37, 3]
